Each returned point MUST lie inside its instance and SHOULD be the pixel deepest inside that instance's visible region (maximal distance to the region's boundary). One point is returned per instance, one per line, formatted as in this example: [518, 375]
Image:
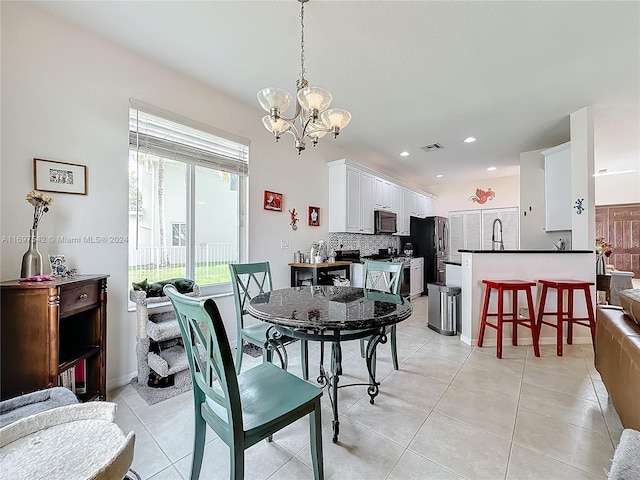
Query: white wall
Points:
[457, 196]
[532, 206]
[65, 96]
[618, 189]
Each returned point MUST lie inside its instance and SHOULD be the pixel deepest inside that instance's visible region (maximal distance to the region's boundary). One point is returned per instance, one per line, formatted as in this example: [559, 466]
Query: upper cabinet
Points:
[355, 192]
[350, 199]
[557, 179]
[383, 194]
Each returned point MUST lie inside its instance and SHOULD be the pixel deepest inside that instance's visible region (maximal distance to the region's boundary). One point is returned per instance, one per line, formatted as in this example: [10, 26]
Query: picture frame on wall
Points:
[272, 201]
[314, 216]
[59, 177]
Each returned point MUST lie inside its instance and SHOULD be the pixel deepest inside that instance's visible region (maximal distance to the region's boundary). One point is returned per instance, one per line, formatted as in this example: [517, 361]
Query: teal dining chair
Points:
[249, 280]
[384, 277]
[242, 409]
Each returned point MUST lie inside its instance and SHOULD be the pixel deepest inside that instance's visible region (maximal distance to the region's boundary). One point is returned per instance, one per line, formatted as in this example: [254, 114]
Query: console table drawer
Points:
[79, 298]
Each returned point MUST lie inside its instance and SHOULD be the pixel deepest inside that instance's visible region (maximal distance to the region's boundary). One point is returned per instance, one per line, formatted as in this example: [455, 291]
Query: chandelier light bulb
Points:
[275, 126]
[336, 117]
[272, 97]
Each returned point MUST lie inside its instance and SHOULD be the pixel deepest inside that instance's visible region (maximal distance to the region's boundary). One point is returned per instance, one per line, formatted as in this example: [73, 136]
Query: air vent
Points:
[432, 147]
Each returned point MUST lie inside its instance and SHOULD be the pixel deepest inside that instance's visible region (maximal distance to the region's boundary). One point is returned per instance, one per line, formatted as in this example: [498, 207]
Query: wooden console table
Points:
[47, 328]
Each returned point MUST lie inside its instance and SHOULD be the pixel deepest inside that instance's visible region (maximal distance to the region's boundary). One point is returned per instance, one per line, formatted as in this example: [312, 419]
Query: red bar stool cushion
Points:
[503, 286]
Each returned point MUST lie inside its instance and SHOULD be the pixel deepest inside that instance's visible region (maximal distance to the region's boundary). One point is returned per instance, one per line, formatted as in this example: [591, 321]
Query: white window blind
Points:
[155, 133]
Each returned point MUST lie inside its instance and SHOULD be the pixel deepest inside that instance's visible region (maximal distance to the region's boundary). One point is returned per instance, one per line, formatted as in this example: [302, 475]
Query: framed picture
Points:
[59, 177]
[58, 265]
[272, 201]
[314, 216]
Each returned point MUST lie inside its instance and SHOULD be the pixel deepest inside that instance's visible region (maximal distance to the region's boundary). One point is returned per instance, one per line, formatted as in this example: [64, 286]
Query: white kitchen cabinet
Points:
[383, 194]
[350, 199]
[402, 224]
[416, 277]
[557, 183]
[356, 191]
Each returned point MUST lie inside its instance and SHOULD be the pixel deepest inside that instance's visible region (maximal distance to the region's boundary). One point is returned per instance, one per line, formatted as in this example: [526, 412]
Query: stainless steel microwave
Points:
[385, 222]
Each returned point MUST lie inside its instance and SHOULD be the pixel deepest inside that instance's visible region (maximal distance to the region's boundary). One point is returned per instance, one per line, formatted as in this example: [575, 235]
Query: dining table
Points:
[330, 314]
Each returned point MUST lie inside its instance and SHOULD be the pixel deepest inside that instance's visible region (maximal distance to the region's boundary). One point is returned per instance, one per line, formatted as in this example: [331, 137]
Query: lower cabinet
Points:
[417, 277]
[54, 334]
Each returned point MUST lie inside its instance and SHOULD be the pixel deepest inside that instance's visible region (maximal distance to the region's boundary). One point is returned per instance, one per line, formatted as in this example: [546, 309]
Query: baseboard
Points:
[121, 381]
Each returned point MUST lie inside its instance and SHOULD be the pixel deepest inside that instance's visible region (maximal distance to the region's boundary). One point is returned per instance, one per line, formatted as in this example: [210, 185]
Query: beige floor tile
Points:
[505, 387]
[360, 453]
[260, 462]
[121, 393]
[508, 365]
[148, 413]
[584, 449]
[174, 433]
[412, 466]
[169, 473]
[415, 388]
[614, 426]
[391, 416]
[294, 469]
[448, 348]
[466, 450]
[487, 412]
[148, 457]
[568, 380]
[526, 464]
[567, 408]
[422, 363]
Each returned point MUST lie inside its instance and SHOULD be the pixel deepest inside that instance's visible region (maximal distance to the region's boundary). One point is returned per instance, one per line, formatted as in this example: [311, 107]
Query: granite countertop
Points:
[526, 251]
[454, 263]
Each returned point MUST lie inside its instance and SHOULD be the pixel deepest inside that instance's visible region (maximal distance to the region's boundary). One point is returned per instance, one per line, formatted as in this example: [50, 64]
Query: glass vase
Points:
[32, 259]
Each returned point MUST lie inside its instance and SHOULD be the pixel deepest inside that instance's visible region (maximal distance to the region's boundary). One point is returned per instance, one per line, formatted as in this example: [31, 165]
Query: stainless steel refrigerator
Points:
[430, 239]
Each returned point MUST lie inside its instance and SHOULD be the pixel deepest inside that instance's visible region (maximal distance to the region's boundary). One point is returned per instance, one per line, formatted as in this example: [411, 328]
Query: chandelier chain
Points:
[302, 71]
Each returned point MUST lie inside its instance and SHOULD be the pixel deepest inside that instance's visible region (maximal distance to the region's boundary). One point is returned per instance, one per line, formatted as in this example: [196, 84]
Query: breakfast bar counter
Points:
[530, 265]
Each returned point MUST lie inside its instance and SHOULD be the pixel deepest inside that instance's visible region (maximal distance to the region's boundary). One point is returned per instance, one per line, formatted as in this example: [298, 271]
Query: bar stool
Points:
[565, 314]
[513, 286]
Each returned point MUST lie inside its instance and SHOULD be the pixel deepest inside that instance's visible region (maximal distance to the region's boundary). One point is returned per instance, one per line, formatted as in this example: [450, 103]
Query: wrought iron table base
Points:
[330, 378]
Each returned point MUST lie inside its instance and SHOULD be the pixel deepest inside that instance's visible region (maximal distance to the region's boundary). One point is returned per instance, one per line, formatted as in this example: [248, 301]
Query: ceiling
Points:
[412, 73]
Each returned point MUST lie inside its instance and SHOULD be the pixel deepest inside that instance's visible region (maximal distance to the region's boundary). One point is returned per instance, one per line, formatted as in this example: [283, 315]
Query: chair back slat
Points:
[382, 276]
[248, 280]
[208, 352]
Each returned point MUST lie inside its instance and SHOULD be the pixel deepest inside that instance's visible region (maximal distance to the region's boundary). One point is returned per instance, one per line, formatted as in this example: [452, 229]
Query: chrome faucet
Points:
[493, 235]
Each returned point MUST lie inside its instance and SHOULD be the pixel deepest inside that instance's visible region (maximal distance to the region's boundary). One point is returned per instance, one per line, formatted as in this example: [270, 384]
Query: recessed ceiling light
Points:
[469, 139]
[439, 175]
[404, 154]
[491, 169]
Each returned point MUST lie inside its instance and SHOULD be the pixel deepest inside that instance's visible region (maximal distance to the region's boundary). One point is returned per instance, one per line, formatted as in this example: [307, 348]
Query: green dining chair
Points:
[241, 409]
[249, 280]
[384, 277]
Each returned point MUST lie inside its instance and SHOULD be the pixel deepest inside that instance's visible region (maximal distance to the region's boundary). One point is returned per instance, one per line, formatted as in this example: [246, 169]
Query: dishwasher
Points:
[443, 314]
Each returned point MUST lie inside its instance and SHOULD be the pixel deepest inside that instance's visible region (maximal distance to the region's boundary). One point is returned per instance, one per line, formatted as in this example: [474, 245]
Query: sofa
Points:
[617, 355]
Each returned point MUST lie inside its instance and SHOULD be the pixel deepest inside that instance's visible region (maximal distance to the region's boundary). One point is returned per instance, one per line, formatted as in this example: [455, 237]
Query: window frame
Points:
[224, 164]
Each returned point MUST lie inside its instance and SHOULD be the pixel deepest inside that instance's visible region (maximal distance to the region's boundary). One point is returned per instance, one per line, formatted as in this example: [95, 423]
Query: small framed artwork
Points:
[58, 265]
[59, 177]
[314, 216]
[272, 201]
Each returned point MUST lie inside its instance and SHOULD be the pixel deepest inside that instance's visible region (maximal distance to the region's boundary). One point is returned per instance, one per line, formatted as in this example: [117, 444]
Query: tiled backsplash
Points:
[367, 244]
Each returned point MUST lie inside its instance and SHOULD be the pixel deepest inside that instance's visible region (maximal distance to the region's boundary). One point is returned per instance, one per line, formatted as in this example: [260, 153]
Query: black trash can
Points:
[444, 308]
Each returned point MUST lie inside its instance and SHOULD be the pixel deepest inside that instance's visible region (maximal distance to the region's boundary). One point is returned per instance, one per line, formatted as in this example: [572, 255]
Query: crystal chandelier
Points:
[315, 117]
